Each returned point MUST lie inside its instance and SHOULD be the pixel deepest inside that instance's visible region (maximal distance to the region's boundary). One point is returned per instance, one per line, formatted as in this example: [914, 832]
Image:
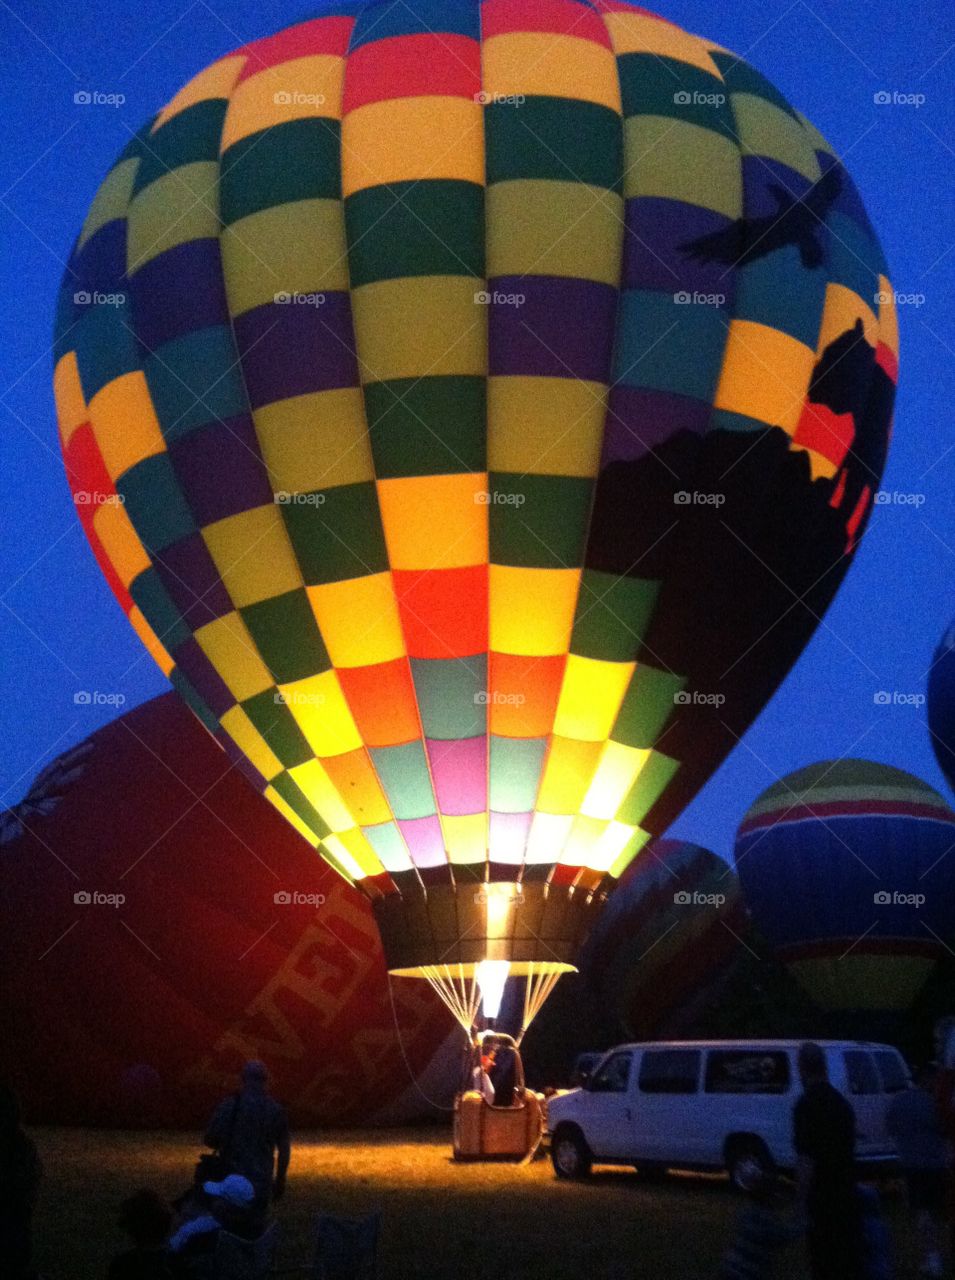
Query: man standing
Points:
[914, 1126]
[824, 1136]
[250, 1131]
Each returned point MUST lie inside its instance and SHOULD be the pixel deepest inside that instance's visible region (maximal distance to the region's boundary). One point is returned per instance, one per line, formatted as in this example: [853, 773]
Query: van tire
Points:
[746, 1148]
[571, 1157]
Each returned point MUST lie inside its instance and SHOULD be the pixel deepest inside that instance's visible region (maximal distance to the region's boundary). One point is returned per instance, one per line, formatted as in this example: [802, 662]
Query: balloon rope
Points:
[539, 986]
[438, 1106]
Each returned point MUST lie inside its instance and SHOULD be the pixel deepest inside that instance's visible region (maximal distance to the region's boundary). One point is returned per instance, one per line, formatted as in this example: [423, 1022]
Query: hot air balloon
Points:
[670, 929]
[231, 941]
[941, 705]
[474, 407]
[848, 870]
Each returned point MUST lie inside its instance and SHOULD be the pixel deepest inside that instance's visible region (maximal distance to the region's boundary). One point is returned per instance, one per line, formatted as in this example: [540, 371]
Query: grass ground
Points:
[441, 1219]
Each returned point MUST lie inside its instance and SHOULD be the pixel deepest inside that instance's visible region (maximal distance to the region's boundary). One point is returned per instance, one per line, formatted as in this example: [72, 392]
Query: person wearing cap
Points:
[250, 1131]
[232, 1208]
[761, 1230]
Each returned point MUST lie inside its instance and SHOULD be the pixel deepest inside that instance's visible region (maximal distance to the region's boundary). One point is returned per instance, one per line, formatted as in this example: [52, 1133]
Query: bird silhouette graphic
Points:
[796, 221]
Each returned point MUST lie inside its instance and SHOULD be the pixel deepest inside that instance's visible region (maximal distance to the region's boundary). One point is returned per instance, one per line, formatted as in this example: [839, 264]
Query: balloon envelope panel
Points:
[231, 940]
[941, 705]
[458, 397]
[670, 928]
[847, 870]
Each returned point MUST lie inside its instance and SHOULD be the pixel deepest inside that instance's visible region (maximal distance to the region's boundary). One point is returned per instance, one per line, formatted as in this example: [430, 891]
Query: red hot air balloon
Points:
[162, 924]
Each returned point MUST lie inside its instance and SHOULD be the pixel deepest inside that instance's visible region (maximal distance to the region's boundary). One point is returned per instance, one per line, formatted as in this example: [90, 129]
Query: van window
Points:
[747, 1071]
[613, 1076]
[861, 1072]
[670, 1071]
[892, 1069]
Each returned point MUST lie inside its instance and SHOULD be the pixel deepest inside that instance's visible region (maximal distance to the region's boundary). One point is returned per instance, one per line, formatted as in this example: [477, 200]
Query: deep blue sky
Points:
[61, 630]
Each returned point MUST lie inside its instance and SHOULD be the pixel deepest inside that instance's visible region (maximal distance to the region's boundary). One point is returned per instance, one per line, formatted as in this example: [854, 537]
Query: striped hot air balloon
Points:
[848, 868]
[671, 928]
[474, 406]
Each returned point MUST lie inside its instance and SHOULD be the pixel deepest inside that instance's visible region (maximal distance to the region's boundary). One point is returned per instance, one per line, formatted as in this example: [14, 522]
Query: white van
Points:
[711, 1104]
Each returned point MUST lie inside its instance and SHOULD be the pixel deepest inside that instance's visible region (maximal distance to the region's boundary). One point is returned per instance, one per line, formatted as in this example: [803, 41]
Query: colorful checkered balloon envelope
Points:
[474, 407]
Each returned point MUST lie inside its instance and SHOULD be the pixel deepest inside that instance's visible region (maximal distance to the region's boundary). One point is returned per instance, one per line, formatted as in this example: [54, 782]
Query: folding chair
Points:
[239, 1259]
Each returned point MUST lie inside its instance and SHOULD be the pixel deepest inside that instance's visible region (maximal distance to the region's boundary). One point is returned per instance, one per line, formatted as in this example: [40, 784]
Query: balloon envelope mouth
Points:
[467, 972]
[465, 988]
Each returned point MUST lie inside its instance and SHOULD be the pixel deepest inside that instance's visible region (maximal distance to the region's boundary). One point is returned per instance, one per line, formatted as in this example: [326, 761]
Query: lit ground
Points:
[441, 1220]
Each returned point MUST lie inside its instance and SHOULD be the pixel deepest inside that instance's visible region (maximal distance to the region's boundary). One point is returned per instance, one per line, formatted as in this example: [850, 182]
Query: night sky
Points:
[61, 630]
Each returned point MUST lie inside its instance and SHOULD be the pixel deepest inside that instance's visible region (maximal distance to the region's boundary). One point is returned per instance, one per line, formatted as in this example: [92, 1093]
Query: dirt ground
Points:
[441, 1219]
